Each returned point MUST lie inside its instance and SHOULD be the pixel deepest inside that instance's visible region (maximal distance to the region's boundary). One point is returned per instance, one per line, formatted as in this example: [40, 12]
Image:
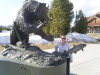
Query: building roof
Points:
[97, 15]
[90, 19]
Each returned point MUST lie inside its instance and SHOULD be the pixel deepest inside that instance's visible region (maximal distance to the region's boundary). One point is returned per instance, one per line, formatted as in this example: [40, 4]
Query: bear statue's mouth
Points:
[42, 20]
[38, 22]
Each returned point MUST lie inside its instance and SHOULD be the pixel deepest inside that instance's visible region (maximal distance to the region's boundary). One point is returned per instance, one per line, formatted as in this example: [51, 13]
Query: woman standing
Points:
[64, 46]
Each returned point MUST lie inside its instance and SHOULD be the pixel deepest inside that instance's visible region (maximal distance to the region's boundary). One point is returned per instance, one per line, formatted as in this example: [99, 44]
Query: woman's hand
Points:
[71, 61]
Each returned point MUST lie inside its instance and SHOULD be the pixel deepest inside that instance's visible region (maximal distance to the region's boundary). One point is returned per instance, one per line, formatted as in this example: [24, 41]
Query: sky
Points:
[36, 39]
[9, 8]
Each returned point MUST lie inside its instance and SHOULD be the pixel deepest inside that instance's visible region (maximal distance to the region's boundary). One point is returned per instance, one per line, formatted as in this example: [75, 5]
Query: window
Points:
[91, 31]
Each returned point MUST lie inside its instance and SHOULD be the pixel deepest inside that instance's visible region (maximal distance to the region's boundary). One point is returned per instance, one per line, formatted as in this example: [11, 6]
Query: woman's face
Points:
[63, 38]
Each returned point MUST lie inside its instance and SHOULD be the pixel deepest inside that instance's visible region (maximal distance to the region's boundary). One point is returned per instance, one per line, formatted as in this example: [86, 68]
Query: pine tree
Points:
[61, 15]
[47, 29]
[0, 28]
[80, 23]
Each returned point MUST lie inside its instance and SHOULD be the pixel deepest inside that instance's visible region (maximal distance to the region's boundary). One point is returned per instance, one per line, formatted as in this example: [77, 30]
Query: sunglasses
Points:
[63, 38]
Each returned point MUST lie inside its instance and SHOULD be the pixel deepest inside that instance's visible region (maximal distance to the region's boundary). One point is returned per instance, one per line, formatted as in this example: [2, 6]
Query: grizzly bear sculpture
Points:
[31, 17]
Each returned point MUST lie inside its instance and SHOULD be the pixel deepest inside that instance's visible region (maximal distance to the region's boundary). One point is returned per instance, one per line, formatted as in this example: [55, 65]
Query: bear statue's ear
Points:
[43, 4]
[36, 6]
[27, 0]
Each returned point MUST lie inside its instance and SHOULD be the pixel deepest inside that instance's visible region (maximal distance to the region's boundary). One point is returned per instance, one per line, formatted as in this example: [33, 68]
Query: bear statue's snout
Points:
[44, 17]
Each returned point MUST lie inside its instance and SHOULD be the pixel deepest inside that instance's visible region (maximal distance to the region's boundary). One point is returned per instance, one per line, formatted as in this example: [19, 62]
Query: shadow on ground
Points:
[72, 74]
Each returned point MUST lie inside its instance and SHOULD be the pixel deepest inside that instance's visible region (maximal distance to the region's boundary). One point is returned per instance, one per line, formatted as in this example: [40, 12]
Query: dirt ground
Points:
[46, 46]
[96, 35]
[50, 46]
[1, 47]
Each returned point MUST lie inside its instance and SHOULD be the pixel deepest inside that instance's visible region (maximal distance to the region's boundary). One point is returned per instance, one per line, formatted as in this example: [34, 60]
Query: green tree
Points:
[61, 15]
[80, 23]
[0, 28]
[47, 29]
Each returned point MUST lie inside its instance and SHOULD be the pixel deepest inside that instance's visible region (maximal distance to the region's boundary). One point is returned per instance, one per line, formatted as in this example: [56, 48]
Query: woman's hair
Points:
[63, 36]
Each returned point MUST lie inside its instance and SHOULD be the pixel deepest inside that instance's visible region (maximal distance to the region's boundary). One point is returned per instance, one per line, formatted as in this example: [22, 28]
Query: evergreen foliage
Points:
[3, 28]
[80, 23]
[61, 15]
[6, 29]
[0, 28]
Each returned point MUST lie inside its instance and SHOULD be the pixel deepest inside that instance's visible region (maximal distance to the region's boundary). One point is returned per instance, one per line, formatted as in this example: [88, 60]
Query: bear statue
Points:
[31, 17]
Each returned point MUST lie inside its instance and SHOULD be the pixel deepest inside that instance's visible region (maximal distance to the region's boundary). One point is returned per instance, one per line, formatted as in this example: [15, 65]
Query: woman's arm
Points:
[56, 47]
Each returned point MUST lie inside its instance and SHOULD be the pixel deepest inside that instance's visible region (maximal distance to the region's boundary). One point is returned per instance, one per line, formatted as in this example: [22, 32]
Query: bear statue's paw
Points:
[50, 38]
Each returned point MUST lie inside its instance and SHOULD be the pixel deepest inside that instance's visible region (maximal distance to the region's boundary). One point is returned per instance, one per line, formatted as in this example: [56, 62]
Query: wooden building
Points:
[94, 23]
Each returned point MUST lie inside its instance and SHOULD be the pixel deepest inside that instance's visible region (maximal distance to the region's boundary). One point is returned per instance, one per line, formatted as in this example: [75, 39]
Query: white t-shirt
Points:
[61, 48]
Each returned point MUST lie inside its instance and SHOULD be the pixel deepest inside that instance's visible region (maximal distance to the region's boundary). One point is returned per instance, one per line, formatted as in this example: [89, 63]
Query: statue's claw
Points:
[49, 38]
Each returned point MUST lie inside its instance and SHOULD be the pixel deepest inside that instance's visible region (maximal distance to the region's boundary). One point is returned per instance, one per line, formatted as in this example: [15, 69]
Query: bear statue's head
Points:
[42, 12]
[35, 11]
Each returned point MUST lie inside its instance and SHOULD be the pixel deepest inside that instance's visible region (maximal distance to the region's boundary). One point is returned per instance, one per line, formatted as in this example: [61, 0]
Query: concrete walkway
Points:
[86, 62]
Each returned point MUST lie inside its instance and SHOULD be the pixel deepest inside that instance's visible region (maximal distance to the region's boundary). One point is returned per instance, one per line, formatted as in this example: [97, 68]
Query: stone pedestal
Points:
[19, 67]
